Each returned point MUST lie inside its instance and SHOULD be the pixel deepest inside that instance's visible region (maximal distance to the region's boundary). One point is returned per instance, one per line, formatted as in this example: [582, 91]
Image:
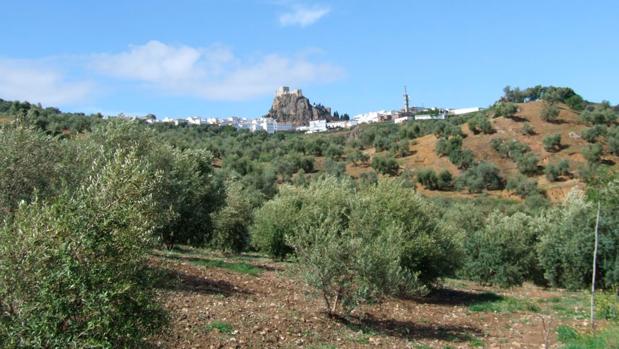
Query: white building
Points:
[402, 119]
[317, 126]
[461, 111]
[441, 116]
[342, 124]
[375, 116]
[284, 127]
[263, 124]
[192, 120]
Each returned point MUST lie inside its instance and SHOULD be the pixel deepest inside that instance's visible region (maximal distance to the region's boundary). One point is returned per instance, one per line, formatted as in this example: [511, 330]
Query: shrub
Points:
[527, 164]
[505, 109]
[566, 247]
[552, 143]
[445, 129]
[480, 124]
[22, 176]
[554, 171]
[602, 114]
[592, 153]
[479, 177]
[368, 178]
[273, 221]
[500, 253]
[613, 140]
[445, 180]
[509, 149]
[359, 246]
[359, 157]
[593, 133]
[402, 148]
[446, 146]
[232, 221]
[522, 186]
[463, 159]
[385, 165]
[527, 129]
[72, 272]
[550, 112]
[335, 168]
[428, 178]
[334, 151]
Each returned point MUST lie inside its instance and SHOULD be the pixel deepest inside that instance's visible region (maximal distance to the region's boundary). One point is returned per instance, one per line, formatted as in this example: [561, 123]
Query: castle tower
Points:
[406, 106]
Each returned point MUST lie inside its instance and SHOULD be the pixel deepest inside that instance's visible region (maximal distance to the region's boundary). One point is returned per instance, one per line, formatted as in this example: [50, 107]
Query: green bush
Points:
[592, 153]
[483, 176]
[368, 178]
[527, 129]
[500, 253]
[552, 143]
[428, 178]
[550, 112]
[445, 180]
[505, 109]
[613, 140]
[523, 186]
[358, 157]
[509, 149]
[72, 271]
[335, 168]
[359, 246]
[446, 146]
[592, 134]
[602, 114]
[566, 246]
[232, 221]
[554, 171]
[385, 165]
[28, 165]
[480, 124]
[528, 164]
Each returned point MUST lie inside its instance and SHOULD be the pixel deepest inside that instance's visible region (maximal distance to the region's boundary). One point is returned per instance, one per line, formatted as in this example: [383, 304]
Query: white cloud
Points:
[32, 81]
[213, 73]
[303, 16]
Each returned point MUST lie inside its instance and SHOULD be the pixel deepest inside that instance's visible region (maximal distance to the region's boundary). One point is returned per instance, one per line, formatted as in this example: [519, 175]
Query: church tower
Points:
[406, 106]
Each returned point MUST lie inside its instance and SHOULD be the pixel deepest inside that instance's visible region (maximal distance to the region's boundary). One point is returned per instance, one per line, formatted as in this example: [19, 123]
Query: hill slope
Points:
[423, 154]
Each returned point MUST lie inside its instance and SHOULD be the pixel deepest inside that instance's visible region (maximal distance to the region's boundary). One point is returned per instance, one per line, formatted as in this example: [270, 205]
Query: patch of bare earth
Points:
[273, 310]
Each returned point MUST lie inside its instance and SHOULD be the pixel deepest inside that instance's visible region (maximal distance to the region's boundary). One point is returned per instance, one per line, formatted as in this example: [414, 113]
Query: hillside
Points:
[423, 154]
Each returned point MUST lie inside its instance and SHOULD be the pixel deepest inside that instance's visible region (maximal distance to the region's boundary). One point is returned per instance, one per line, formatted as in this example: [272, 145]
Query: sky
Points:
[221, 58]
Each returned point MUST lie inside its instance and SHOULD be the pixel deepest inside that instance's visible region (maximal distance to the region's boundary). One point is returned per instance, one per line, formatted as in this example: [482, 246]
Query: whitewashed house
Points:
[317, 126]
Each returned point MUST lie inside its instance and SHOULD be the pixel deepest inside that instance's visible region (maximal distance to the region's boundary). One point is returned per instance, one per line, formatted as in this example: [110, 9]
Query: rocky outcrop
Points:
[297, 109]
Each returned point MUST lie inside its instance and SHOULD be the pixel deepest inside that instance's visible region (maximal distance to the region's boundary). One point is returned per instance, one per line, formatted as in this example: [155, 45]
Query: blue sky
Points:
[219, 58]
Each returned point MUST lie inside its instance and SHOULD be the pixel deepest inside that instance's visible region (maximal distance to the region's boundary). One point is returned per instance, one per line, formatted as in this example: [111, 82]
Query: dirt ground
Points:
[215, 307]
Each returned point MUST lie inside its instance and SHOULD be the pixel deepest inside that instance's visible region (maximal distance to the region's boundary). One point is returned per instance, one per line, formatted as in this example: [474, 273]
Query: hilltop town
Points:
[292, 111]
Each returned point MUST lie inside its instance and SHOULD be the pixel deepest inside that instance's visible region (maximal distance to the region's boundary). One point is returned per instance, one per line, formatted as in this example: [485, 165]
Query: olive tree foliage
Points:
[480, 124]
[357, 245]
[550, 112]
[72, 270]
[500, 252]
[506, 109]
[566, 248]
[601, 114]
[232, 221]
[190, 189]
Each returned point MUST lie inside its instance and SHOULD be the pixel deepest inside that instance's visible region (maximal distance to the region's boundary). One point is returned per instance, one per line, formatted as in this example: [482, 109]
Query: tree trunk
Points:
[595, 252]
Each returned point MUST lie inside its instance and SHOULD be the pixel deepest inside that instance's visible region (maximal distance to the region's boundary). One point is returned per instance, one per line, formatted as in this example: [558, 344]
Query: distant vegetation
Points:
[84, 200]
